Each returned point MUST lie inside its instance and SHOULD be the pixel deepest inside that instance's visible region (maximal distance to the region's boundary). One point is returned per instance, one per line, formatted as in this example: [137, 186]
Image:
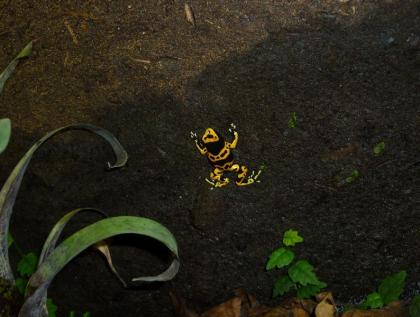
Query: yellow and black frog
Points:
[220, 156]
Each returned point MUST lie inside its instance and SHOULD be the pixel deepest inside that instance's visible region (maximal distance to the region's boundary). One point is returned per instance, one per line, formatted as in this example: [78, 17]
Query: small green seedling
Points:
[389, 290]
[292, 121]
[353, 176]
[300, 274]
[25, 268]
[379, 148]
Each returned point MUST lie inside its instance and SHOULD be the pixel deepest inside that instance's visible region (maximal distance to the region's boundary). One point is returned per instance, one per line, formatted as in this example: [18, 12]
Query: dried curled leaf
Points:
[103, 247]
[326, 306]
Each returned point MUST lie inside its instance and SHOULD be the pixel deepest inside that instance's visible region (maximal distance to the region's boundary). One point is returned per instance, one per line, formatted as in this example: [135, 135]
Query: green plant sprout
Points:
[292, 121]
[300, 274]
[389, 290]
[379, 148]
[25, 268]
[353, 176]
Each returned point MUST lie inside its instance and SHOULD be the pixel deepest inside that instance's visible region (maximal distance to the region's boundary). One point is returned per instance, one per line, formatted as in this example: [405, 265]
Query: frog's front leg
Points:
[200, 148]
[232, 129]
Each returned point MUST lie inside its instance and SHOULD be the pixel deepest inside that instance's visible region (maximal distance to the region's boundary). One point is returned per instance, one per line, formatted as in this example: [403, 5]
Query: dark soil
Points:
[350, 71]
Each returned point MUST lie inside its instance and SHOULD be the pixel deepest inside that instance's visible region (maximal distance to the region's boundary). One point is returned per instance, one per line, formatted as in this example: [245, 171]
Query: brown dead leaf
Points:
[393, 309]
[299, 312]
[326, 305]
[278, 312]
[247, 299]
[231, 308]
[180, 308]
[340, 153]
[306, 304]
[250, 306]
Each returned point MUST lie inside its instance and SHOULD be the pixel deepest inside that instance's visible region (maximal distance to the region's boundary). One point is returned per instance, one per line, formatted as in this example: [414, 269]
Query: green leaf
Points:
[72, 314]
[310, 290]
[282, 286]
[27, 265]
[414, 309]
[87, 314]
[51, 307]
[11, 187]
[292, 121]
[302, 272]
[10, 240]
[279, 258]
[21, 284]
[5, 131]
[379, 148]
[373, 300]
[392, 287]
[5, 75]
[88, 236]
[291, 237]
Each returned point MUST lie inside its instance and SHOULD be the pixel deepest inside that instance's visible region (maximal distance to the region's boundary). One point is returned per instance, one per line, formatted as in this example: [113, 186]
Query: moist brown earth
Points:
[348, 69]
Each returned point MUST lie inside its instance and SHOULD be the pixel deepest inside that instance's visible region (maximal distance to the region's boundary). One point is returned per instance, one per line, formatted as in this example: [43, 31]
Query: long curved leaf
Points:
[4, 76]
[10, 189]
[34, 305]
[5, 131]
[55, 233]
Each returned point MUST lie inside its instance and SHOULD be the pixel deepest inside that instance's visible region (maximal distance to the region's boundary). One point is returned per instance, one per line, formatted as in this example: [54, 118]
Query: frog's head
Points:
[210, 136]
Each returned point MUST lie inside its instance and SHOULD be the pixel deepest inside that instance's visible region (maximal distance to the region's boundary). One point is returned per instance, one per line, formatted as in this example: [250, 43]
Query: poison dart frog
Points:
[220, 156]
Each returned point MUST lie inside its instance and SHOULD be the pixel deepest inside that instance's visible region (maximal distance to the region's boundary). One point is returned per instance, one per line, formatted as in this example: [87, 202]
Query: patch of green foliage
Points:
[300, 274]
[25, 268]
[51, 307]
[292, 121]
[389, 290]
[379, 148]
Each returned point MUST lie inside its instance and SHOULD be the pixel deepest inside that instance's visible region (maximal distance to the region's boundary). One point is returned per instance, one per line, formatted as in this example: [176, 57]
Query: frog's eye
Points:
[210, 136]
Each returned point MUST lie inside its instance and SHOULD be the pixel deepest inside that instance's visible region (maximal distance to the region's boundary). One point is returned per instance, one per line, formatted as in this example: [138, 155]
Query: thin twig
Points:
[145, 61]
[72, 34]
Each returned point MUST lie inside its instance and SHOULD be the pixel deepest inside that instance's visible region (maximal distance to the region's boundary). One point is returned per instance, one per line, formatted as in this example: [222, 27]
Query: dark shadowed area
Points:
[348, 69]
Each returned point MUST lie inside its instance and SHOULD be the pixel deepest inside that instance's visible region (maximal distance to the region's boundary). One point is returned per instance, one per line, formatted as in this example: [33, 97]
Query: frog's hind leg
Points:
[242, 179]
[216, 176]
